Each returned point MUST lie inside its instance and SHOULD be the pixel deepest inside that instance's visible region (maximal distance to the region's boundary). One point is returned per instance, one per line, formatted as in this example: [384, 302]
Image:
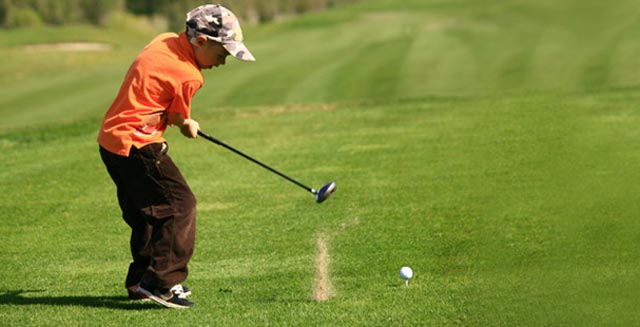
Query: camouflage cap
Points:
[221, 25]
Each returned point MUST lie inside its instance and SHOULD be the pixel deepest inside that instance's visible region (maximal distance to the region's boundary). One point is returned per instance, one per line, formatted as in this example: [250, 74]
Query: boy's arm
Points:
[180, 108]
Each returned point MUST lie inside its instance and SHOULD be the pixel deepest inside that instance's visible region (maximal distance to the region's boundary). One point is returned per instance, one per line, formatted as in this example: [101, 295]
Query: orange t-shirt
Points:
[161, 80]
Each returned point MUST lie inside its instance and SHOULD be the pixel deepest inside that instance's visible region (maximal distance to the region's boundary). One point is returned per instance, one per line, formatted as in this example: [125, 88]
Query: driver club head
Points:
[325, 191]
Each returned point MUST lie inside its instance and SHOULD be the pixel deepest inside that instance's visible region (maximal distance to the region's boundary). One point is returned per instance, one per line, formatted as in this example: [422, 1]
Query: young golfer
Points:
[154, 197]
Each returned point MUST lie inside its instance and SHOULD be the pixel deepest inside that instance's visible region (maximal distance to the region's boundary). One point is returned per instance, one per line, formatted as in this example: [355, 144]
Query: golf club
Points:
[322, 194]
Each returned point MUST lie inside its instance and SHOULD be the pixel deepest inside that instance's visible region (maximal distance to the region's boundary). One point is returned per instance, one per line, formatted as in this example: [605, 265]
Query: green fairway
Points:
[492, 146]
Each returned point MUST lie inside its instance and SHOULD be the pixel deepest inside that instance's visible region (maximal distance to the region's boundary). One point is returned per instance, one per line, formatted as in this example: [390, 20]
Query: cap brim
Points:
[239, 50]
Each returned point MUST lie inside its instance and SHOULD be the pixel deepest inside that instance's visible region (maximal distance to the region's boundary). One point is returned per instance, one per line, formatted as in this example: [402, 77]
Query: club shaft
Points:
[228, 147]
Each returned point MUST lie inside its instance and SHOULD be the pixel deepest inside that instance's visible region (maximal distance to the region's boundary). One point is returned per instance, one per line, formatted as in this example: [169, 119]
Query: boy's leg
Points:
[139, 243]
[173, 236]
[120, 169]
[159, 193]
[167, 200]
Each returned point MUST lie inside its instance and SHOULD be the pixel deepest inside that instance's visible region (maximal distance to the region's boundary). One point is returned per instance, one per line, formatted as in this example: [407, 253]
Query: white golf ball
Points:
[406, 273]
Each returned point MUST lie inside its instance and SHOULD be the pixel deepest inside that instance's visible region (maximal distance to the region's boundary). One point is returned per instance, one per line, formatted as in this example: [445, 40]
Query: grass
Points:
[487, 145]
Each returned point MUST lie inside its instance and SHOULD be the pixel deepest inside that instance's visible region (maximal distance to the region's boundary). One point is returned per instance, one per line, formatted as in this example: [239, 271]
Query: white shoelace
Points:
[179, 291]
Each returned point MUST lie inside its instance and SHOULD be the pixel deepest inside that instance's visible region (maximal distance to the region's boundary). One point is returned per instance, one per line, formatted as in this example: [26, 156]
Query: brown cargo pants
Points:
[160, 208]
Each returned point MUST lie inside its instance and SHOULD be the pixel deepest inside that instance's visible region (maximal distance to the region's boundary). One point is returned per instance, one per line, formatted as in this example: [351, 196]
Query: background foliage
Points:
[25, 13]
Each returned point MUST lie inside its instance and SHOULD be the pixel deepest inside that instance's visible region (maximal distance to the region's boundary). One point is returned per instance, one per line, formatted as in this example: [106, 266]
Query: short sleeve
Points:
[182, 100]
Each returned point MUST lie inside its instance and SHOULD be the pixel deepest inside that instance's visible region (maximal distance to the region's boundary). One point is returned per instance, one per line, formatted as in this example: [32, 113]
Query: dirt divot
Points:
[322, 288]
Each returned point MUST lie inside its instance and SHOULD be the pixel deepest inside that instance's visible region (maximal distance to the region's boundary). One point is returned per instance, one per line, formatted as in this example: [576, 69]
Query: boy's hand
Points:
[189, 128]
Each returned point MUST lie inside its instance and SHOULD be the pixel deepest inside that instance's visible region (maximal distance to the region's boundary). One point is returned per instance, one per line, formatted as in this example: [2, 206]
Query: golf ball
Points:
[406, 273]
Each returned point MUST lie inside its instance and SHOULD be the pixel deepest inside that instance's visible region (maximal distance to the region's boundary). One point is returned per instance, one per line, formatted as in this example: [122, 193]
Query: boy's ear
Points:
[201, 40]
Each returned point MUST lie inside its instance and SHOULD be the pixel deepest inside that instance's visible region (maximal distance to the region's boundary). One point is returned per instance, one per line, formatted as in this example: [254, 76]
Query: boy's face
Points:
[209, 53]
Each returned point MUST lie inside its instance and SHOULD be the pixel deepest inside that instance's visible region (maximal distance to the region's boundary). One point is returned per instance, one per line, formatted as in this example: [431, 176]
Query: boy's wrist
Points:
[189, 128]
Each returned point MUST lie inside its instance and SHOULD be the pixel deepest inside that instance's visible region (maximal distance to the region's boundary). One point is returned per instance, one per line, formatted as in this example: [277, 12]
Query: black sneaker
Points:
[134, 294]
[167, 297]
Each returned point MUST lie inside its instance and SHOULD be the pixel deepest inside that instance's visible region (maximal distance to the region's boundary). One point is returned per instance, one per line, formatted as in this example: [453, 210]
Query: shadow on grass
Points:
[15, 297]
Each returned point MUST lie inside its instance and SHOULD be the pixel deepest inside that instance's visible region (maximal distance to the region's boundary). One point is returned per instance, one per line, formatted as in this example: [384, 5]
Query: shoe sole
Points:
[139, 296]
[160, 300]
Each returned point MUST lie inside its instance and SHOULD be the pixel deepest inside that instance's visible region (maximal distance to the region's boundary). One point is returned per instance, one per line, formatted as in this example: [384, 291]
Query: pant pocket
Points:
[160, 210]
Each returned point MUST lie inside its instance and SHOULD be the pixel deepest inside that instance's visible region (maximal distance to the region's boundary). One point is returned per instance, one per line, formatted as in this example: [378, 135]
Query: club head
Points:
[325, 191]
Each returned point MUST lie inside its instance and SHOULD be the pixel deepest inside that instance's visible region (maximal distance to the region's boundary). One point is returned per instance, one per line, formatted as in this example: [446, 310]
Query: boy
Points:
[154, 197]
